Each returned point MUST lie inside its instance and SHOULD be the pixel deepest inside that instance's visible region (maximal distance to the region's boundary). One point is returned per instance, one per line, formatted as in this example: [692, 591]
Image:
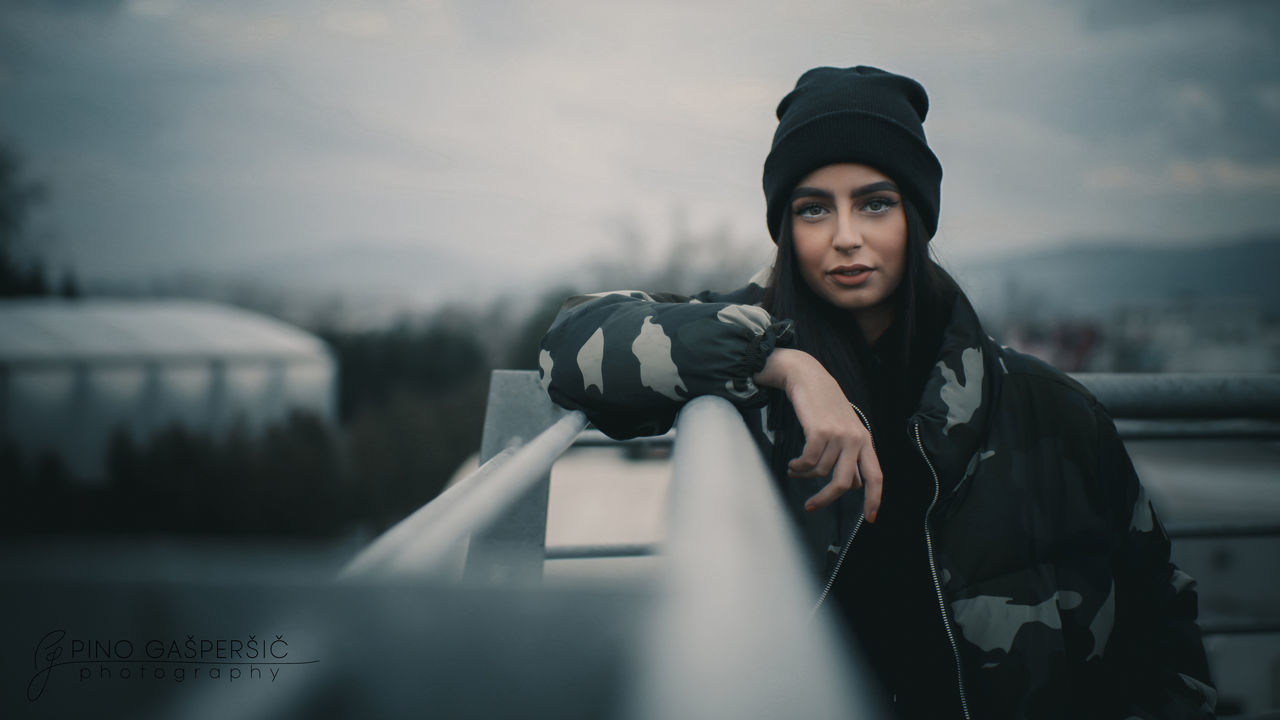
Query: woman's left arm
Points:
[1155, 641]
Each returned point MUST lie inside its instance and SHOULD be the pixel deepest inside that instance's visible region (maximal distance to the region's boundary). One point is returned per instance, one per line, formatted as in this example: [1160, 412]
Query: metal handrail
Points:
[731, 634]
[618, 550]
[1129, 429]
[1203, 530]
[1186, 396]
[726, 633]
[594, 438]
[1146, 407]
[1210, 429]
[426, 542]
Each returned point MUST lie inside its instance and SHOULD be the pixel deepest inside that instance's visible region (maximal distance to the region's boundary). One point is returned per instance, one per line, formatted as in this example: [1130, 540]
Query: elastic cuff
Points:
[779, 334]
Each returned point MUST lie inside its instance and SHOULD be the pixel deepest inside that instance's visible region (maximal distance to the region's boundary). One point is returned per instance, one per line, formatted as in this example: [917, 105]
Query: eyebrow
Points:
[806, 191]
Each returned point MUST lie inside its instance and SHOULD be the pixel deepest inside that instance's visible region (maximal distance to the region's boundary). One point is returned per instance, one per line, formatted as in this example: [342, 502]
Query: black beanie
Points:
[857, 115]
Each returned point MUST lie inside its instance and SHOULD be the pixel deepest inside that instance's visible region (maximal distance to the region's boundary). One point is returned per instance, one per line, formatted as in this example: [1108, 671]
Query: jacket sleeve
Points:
[1155, 645]
[630, 360]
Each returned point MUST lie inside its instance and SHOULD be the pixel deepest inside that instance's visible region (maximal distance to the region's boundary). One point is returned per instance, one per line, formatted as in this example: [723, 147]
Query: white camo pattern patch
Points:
[962, 399]
[658, 371]
[754, 318]
[545, 364]
[591, 362]
[991, 622]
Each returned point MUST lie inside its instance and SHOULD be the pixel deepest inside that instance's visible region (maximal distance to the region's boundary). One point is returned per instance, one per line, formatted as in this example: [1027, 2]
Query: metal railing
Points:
[1186, 396]
[429, 540]
[731, 636]
[729, 633]
[727, 623]
[719, 631]
[512, 485]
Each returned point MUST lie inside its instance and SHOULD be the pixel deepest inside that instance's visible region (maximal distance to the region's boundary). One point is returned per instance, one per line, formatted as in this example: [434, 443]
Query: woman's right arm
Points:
[630, 360]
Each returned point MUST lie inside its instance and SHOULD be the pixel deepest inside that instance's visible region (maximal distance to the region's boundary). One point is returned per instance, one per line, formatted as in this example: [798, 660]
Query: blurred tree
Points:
[404, 452]
[412, 398]
[18, 196]
[521, 351]
[292, 479]
[70, 287]
[443, 354]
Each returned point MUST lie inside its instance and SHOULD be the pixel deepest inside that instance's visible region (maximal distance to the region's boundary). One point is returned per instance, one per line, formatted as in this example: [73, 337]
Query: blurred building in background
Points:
[1214, 335]
[73, 373]
[1194, 335]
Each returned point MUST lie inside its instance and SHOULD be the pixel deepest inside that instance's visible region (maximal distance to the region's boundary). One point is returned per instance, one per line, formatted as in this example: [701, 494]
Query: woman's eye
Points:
[879, 205]
[810, 211]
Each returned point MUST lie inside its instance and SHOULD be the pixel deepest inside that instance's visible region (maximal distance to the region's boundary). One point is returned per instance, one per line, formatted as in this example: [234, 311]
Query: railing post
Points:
[515, 547]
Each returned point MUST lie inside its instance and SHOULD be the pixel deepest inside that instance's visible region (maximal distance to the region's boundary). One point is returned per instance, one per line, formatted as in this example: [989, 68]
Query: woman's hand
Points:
[835, 438]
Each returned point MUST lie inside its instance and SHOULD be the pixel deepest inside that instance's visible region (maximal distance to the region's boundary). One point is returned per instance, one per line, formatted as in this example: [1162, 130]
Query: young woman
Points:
[972, 511]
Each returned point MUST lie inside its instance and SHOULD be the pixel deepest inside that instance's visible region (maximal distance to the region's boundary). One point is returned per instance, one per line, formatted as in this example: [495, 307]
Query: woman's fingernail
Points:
[871, 517]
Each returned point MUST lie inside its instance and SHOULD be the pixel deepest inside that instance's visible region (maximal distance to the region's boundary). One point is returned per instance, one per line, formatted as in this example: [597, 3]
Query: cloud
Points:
[151, 8]
[1189, 176]
[1233, 175]
[89, 7]
[358, 23]
[1268, 97]
[1179, 76]
[1261, 15]
[212, 135]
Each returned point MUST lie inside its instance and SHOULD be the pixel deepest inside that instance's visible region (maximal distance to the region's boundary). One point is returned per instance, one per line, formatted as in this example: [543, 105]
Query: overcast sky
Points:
[424, 148]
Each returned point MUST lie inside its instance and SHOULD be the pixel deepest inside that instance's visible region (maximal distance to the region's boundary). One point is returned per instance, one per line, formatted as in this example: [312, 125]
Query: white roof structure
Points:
[73, 372]
[58, 330]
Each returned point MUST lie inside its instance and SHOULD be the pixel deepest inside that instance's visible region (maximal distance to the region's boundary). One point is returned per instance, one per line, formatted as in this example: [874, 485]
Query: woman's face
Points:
[850, 236]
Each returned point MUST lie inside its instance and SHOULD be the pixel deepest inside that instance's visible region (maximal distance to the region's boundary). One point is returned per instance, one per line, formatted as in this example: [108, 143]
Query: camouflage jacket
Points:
[1052, 568]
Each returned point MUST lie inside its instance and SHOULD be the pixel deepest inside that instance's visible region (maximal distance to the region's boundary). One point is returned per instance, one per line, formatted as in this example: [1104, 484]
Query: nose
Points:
[848, 235]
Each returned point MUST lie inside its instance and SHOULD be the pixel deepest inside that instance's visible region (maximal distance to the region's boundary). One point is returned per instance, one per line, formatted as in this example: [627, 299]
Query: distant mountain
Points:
[366, 286]
[1095, 278]
[418, 275]
[378, 282]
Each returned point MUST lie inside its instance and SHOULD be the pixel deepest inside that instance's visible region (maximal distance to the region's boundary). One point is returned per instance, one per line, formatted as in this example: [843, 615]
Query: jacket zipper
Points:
[937, 584]
[831, 581]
